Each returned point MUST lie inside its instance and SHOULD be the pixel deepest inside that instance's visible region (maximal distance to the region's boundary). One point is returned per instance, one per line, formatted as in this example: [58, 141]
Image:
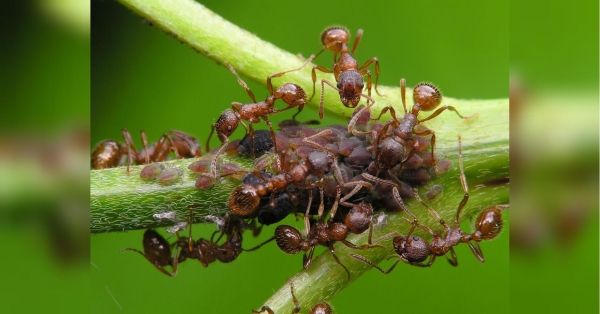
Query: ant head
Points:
[288, 239]
[244, 200]
[415, 250]
[359, 217]
[427, 96]
[334, 37]
[321, 308]
[227, 123]
[292, 94]
[156, 248]
[489, 224]
[350, 85]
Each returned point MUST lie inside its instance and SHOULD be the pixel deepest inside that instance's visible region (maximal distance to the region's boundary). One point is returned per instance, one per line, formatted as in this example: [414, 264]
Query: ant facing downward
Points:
[414, 250]
[292, 94]
[347, 73]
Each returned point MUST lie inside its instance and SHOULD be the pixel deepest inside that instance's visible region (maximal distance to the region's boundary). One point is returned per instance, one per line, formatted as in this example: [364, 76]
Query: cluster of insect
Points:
[339, 172]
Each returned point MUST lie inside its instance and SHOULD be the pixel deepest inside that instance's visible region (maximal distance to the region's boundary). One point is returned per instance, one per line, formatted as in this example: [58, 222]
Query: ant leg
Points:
[307, 260]
[259, 246]
[213, 164]
[356, 41]
[159, 153]
[401, 203]
[252, 140]
[431, 210]
[278, 160]
[145, 145]
[130, 147]
[159, 267]
[323, 94]
[337, 259]
[306, 215]
[452, 260]
[270, 86]
[296, 303]
[432, 133]
[403, 94]
[386, 109]
[207, 147]
[463, 182]
[309, 140]
[241, 82]
[476, 251]
[314, 78]
[300, 107]
[368, 262]
[441, 109]
[366, 65]
[173, 146]
[357, 115]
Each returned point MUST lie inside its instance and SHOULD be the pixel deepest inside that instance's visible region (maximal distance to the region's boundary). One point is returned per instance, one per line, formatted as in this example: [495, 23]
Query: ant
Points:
[158, 251]
[290, 241]
[107, 154]
[393, 150]
[319, 308]
[415, 250]
[292, 94]
[347, 73]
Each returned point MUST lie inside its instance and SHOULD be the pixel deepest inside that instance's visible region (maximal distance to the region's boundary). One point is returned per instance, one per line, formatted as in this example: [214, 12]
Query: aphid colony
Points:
[335, 176]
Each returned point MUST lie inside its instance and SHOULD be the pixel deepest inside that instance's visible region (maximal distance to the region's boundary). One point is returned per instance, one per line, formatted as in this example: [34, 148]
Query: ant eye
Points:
[229, 128]
[339, 85]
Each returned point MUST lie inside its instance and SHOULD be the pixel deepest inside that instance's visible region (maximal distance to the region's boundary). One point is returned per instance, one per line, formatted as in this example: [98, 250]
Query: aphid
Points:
[292, 94]
[415, 250]
[400, 147]
[319, 308]
[169, 175]
[152, 171]
[348, 75]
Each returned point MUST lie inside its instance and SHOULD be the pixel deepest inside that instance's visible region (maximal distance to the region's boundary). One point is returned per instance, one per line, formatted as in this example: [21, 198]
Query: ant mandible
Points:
[347, 73]
[393, 150]
[292, 94]
[319, 308]
[415, 250]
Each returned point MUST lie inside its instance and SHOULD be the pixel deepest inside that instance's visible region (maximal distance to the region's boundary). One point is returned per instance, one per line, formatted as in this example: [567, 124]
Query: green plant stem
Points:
[121, 201]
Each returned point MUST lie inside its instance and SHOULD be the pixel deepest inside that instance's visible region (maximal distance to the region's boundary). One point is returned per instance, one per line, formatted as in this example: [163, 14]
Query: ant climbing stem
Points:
[292, 94]
[347, 73]
[158, 252]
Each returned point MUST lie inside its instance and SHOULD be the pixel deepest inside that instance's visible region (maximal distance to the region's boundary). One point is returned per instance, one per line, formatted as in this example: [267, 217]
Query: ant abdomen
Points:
[288, 239]
[416, 251]
[333, 38]
[359, 218]
[427, 96]
[244, 200]
[489, 224]
[107, 154]
[292, 94]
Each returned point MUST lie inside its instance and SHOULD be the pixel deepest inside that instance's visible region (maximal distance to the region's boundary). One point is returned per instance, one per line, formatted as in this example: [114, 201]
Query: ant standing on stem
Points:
[414, 250]
[393, 150]
[348, 75]
[292, 94]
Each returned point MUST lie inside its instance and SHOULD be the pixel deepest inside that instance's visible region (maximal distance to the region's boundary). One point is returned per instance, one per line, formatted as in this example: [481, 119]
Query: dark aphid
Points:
[262, 143]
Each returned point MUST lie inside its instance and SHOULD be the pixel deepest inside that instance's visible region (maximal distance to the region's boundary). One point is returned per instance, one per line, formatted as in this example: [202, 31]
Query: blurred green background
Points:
[144, 79]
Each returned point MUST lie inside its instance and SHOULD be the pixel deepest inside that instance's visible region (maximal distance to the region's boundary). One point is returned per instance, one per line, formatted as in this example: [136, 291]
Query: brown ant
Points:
[414, 250]
[292, 94]
[319, 308]
[393, 150]
[290, 241]
[158, 251]
[107, 154]
[347, 73]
